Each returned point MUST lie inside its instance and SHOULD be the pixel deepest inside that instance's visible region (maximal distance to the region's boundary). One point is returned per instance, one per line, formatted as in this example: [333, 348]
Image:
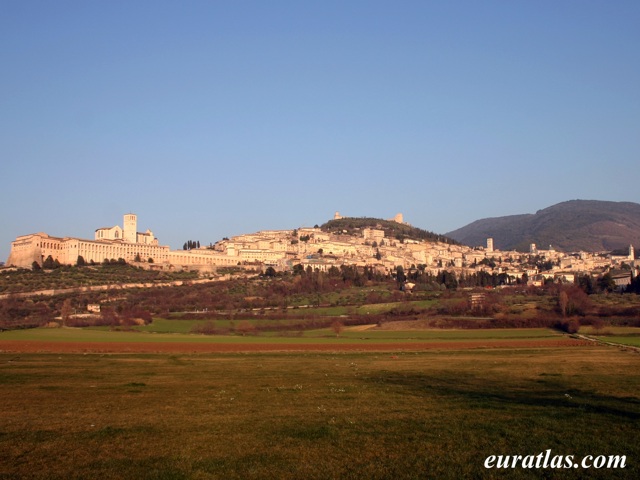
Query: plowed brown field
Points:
[20, 346]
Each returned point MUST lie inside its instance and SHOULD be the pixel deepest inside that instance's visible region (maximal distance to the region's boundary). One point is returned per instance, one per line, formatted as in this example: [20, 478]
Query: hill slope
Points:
[589, 225]
[354, 226]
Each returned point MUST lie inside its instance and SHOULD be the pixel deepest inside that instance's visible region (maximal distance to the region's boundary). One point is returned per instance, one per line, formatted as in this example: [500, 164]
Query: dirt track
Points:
[19, 346]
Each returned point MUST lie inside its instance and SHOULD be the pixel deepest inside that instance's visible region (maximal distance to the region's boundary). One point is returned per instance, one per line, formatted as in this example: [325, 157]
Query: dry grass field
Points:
[375, 415]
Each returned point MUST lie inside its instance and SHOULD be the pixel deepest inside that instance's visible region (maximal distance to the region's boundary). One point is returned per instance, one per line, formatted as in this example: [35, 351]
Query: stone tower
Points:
[489, 244]
[129, 232]
[632, 253]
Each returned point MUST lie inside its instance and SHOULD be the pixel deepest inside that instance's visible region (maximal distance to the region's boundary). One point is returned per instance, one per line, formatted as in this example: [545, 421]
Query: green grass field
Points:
[430, 335]
[634, 341]
[615, 334]
[613, 330]
[177, 331]
[319, 416]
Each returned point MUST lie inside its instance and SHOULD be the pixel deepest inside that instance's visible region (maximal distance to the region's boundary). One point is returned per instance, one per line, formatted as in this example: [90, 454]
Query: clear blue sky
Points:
[215, 118]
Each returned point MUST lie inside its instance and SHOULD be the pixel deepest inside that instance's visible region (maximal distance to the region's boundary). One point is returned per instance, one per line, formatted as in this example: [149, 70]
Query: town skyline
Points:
[385, 246]
[179, 240]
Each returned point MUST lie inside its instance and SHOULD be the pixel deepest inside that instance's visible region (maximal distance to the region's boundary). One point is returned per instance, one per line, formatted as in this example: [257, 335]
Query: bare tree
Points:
[337, 327]
[563, 301]
[66, 311]
[245, 328]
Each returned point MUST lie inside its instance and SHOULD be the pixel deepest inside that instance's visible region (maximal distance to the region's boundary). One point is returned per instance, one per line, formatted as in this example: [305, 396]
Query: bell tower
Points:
[129, 232]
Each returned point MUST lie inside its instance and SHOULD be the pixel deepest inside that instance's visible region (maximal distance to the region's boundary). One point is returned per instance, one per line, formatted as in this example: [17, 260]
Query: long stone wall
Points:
[98, 288]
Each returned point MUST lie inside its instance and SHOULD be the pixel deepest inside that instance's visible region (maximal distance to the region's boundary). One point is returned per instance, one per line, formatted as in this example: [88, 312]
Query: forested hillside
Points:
[588, 225]
[400, 231]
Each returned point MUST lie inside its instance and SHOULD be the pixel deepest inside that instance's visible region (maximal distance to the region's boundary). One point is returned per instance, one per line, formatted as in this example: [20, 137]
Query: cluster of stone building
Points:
[109, 243]
[316, 249]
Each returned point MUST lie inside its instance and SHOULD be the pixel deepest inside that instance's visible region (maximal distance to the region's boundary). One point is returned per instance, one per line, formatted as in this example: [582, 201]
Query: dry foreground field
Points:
[303, 408]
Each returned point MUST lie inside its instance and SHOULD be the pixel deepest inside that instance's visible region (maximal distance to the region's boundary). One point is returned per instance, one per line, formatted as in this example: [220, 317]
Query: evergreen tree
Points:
[49, 264]
[633, 287]
[585, 282]
[400, 276]
[606, 283]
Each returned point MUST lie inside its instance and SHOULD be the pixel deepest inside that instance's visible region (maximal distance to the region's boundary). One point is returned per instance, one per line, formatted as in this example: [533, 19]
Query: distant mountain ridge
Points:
[588, 225]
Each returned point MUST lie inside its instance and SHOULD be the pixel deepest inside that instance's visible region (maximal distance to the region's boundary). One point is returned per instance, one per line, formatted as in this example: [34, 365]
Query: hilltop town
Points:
[372, 244]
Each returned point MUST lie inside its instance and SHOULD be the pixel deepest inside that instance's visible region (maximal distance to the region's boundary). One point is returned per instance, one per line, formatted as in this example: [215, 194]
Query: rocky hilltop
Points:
[589, 225]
